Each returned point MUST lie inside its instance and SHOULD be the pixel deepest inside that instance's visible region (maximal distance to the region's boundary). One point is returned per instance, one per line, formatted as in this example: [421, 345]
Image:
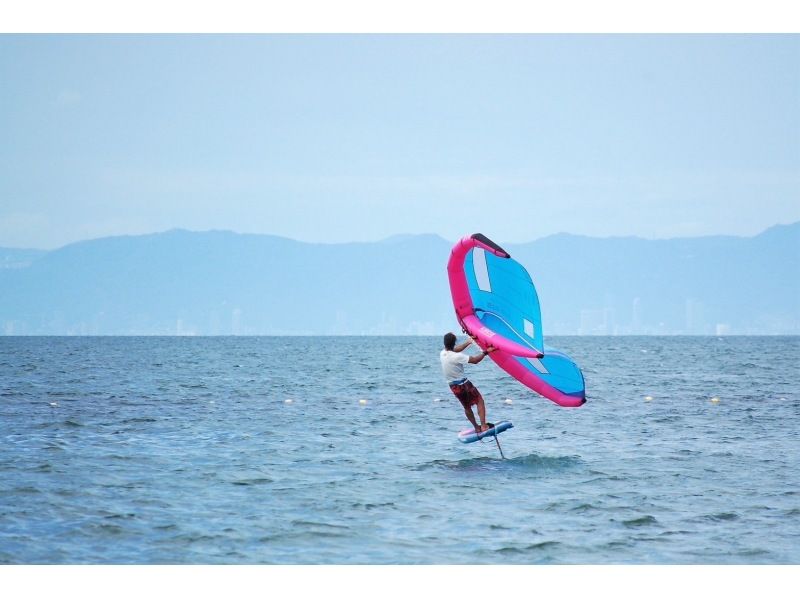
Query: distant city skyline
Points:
[336, 138]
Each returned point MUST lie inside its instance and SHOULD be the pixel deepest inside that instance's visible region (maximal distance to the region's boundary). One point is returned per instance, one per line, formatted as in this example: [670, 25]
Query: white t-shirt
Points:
[453, 364]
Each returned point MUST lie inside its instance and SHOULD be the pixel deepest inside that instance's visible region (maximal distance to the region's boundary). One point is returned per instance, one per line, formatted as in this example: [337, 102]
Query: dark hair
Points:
[449, 341]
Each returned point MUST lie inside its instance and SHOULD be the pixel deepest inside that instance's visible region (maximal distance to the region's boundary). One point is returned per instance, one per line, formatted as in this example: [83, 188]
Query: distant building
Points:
[695, 317]
[593, 322]
[636, 320]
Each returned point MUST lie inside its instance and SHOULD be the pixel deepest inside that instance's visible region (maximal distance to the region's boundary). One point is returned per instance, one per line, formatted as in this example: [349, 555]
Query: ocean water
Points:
[185, 450]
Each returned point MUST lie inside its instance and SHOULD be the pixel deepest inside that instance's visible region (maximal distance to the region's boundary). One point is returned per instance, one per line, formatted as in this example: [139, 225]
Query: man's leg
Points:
[471, 417]
[482, 414]
[477, 399]
[464, 397]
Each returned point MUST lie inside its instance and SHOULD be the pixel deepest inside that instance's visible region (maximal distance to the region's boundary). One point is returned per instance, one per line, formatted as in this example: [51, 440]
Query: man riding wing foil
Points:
[453, 360]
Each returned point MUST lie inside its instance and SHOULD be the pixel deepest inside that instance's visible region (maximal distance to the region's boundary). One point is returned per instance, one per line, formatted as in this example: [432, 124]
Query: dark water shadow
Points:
[532, 463]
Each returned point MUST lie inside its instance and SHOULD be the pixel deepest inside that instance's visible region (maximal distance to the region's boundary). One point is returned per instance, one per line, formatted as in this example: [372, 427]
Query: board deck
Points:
[470, 435]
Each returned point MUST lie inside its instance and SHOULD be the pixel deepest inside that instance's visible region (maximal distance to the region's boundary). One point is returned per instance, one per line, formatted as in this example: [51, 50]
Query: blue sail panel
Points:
[558, 370]
[504, 297]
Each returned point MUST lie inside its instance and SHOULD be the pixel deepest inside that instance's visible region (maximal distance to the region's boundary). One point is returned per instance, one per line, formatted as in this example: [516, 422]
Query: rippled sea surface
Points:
[260, 450]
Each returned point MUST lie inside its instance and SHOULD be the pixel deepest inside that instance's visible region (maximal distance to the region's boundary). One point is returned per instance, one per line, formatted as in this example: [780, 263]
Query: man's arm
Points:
[479, 357]
[462, 346]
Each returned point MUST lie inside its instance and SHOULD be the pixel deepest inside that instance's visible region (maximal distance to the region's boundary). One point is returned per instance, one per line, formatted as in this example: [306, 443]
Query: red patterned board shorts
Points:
[467, 394]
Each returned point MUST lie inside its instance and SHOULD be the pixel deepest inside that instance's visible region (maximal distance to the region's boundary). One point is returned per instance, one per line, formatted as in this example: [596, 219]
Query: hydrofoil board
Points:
[470, 435]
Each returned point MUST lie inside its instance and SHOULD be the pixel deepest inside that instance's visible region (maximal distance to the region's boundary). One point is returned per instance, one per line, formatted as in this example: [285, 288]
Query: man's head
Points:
[449, 341]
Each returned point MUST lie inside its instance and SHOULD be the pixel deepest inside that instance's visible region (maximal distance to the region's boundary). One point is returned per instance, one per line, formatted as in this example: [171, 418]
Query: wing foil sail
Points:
[496, 302]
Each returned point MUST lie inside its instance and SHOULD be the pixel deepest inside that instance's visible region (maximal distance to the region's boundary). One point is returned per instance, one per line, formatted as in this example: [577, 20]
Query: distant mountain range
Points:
[182, 282]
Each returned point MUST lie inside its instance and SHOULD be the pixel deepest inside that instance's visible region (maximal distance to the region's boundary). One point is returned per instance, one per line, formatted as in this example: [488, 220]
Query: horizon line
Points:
[365, 335]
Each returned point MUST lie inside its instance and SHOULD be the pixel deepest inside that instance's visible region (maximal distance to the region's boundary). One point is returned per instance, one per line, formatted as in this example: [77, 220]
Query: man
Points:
[453, 361]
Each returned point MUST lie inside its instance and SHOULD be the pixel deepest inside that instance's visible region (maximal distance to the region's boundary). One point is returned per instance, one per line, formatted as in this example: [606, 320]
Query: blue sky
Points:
[355, 138]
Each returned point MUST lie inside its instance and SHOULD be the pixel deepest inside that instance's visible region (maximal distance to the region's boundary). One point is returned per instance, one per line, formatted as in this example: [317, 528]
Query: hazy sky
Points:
[340, 138]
